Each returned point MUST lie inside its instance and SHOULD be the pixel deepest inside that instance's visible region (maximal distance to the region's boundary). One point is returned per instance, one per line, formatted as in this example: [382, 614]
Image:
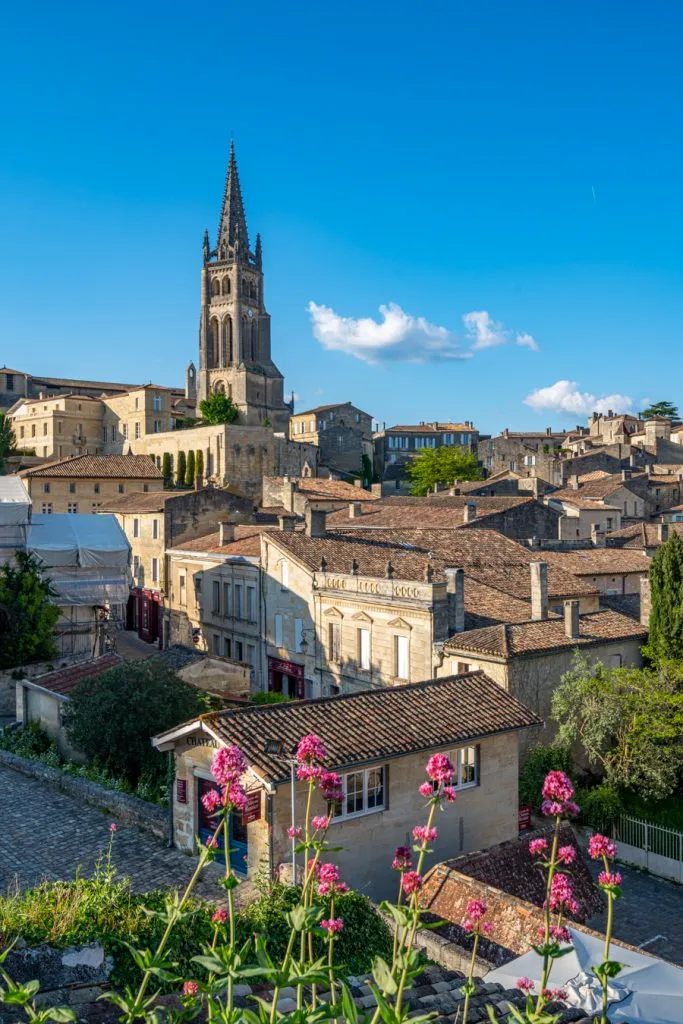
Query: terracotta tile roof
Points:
[247, 542]
[574, 498]
[486, 555]
[327, 408]
[641, 535]
[445, 513]
[502, 872]
[485, 605]
[320, 487]
[515, 639]
[600, 488]
[360, 728]
[598, 561]
[62, 382]
[65, 679]
[123, 467]
[141, 501]
[596, 474]
[434, 428]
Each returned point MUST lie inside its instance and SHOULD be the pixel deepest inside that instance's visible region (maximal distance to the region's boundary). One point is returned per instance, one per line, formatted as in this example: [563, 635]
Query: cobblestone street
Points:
[45, 834]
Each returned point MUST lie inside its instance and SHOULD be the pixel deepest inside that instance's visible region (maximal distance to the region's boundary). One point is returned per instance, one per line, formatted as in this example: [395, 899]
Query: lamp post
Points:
[276, 748]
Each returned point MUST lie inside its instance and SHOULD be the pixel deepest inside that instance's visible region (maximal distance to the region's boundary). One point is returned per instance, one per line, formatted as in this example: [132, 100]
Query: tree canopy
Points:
[111, 718]
[666, 602]
[629, 722]
[667, 409]
[7, 441]
[218, 408]
[442, 466]
[27, 615]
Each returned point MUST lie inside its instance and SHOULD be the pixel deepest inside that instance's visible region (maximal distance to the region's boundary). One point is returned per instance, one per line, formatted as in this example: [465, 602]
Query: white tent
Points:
[85, 557]
[647, 989]
[15, 514]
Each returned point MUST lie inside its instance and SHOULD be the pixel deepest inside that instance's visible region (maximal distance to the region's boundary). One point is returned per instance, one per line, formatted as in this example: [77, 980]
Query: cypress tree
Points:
[166, 469]
[666, 602]
[190, 469]
[180, 470]
[199, 463]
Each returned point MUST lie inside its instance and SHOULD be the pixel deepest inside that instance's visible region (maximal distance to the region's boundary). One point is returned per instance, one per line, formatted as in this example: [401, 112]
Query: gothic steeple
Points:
[233, 225]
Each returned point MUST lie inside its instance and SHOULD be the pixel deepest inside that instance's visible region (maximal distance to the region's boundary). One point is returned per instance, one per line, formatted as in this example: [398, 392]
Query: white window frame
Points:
[136, 527]
[72, 508]
[342, 814]
[298, 634]
[456, 757]
[278, 630]
[399, 663]
[155, 570]
[155, 529]
[46, 508]
[284, 574]
[364, 649]
[334, 640]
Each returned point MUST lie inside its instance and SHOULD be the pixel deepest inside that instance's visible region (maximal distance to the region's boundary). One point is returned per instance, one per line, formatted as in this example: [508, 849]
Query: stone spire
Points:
[258, 253]
[233, 225]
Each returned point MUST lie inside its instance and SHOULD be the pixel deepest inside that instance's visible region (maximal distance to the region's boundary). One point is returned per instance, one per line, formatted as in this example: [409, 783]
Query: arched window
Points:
[215, 286]
[226, 353]
[219, 387]
[226, 286]
[254, 339]
[252, 290]
[214, 342]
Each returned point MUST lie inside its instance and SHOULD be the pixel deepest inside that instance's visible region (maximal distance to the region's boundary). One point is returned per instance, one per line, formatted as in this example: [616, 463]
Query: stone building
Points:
[234, 327]
[17, 384]
[613, 571]
[153, 523]
[83, 483]
[132, 415]
[294, 494]
[381, 765]
[531, 454]
[581, 518]
[343, 432]
[396, 446]
[59, 426]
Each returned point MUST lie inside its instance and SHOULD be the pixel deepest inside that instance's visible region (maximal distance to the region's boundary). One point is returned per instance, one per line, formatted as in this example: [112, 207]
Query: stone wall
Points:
[8, 679]
[533, 519]
[73, 977]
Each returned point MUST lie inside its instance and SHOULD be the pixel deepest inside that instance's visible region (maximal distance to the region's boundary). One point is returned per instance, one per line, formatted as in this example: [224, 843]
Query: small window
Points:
[364, 649]
[155, 529]
[298, 634]
[278, 631]
[238, 650]
[145, 488]
[156, 403]
[124, 431]
[335, 641]
[46, 488]
[226, 600]
[72, 507]
[155, 570]
[216, 644]
[401, 663]
[182, 587]
[227, 647]
[72, 488]
[46, 508]
[96, 488]
[136, 528]
[44, 429]
[21, 431]
[364, 793]
[33, 430]
[238, 601]
[137, 401]
[216, 597]
[157, 426]
[137, 430]
[251, 604]
[121, 489]
[136, 565]
[284, 574]
[251, 655]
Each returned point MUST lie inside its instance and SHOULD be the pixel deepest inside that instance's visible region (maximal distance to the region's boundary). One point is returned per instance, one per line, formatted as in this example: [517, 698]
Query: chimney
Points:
[610, 414]
[226, 533]
[645, 601]
[574, 481]
[376, 490]
[469, 513]
[597, 536]
[539, 590]
[452, 491]
[288, 489]
[316, 522]
[286, 523]
[626, 474]
[571, 619]
[549, 431]
[355, 510]
[632, 460]
[455, 595]
[358, 483]
[649, 470]
[662, 532]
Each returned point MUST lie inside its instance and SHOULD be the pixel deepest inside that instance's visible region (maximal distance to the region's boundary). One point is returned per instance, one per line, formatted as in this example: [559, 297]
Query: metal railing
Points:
[655, 841]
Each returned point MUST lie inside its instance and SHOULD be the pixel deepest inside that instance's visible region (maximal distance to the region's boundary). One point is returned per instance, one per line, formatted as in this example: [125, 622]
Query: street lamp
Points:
[276, 749]
[303, 642]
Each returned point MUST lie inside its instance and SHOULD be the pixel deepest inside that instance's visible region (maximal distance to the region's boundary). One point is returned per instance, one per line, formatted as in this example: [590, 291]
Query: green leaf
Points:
[297, 917]
[381, 972]
[61, 1014]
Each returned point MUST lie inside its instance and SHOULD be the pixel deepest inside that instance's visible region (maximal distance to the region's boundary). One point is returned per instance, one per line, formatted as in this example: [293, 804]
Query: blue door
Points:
[238, 830]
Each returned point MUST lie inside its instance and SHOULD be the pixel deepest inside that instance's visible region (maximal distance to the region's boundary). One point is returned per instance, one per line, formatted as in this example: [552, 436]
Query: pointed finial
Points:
[323, 564]
[258, 252]
[354, 567]
[206, 246]
[390, 571]
[233, 224]
[429, 574]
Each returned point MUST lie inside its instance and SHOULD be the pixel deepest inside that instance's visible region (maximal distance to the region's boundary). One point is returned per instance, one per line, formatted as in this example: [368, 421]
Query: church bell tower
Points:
[234, 328]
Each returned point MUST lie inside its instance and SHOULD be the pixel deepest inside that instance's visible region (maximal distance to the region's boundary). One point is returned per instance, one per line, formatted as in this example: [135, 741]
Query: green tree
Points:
[665, 639]
[667, 409]
[27, 615]
[367, 471]
[166, 469]
[112, 717]
[218, 408]
[442, 466]
[181, 469]
[190, 469]
[7, 441]
[199, 464]
[629, 722]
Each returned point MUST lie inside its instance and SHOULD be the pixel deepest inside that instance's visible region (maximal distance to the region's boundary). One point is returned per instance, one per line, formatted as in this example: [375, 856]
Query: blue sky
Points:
[519, 160]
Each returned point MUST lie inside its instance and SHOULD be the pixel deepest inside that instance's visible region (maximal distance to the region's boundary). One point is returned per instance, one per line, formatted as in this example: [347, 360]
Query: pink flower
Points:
[422, 834]
[327, 888]
[476, 909]
[331, 787]
[237, 797]
[566, 854]
[294, 832]
[557, 786]
[328, 873]
[467, 925]
[562, 895]
[403, 860]
[559, 934]
[412, 882]
[487, 927]
[312, 866]
[449, 793]
[525, 985]
[190, 988]
[609, 878]
[440, 768]
[113, 827]
[311, 748]
[228, 765]
[554, 995]
[332, 926]
[211, 843]
[211, 801]
[426, 789]
[220, 916]
[319, 822]
[600, 846]
[538, 847]
[306, 772]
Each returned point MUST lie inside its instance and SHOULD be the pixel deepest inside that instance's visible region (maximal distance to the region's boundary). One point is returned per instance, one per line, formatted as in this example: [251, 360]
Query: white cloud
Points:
[564, 396]
[483, 331]
[296, 396]
[527, 341]
[398, 337]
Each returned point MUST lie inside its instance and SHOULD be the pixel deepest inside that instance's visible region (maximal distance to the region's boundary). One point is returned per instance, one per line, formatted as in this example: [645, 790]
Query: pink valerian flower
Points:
[609, 878]
[487, 927]
[440, 769]
[331, 787]
[476, 909]
[600, 846]
[403, 860]
[426, 789]
[236, 796]
[423, 834]
[525, 985]
[560, 933]
[411, 882]
[566, 855]
[211, 843]
[212, 801]
[295, 832]
[319, 822]
[554, 995]
[220, 916]
[449, 793]
[228, 765]
[538, 847]
[332, 926]
[113, 827]
[328, 873]
[562, 895]
[467, 925]
[312, 866]
[306, 772]
[557, 786]
[190, 988]
[329, 888]
[311, 749]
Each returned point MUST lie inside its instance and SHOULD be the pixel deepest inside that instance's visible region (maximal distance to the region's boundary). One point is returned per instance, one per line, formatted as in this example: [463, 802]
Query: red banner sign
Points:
[252, 812]
[524, 820]
[181, 790]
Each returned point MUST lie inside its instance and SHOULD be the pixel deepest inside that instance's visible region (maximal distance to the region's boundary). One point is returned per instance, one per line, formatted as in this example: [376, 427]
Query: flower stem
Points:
[605, 954]
[547, 960]
[470, 976]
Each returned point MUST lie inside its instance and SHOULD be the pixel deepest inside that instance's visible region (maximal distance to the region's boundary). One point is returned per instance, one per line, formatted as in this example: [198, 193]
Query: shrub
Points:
[270, 698]
[29, 740]
[218, 408]
[538, 762]
[199, 464]
[27, 616]
[190, 469]
[180, 469]
[600, 807]
[166, 469]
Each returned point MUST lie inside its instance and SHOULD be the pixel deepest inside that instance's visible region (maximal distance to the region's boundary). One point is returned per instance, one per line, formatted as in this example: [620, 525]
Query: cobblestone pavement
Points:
[46, 834]
[651, 909]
